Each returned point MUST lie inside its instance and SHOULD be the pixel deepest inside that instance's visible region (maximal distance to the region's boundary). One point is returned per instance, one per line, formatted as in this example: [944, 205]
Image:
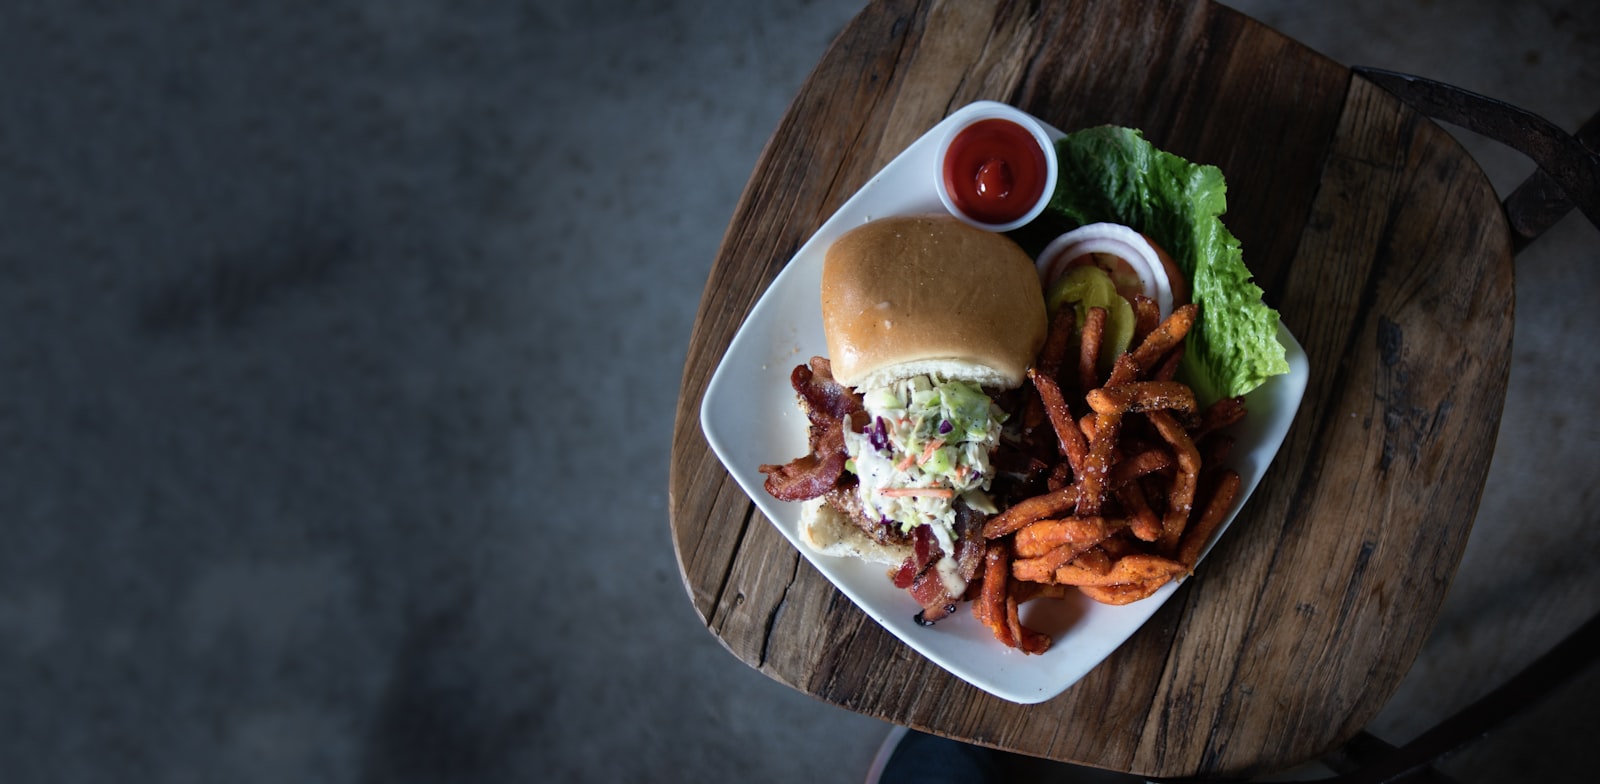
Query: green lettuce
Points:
[1111, 174]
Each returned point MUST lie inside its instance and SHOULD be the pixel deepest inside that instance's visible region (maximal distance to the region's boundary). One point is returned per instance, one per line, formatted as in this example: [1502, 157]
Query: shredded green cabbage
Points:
[925, 433]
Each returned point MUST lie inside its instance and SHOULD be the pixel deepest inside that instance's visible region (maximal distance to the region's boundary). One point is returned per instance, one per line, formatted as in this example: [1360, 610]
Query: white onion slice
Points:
[1112, 239]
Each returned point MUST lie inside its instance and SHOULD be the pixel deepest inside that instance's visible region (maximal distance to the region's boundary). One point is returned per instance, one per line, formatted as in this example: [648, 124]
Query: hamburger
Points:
[925, 319]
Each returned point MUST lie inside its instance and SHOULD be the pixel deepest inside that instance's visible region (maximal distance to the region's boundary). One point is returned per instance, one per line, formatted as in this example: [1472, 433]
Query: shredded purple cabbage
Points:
[878, 434]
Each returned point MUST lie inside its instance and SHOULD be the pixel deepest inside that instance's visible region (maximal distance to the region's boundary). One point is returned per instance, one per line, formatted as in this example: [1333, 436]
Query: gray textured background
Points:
[339, 354]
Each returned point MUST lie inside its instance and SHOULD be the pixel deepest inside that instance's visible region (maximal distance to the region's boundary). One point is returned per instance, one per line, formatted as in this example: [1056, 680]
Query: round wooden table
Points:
[1369, 228]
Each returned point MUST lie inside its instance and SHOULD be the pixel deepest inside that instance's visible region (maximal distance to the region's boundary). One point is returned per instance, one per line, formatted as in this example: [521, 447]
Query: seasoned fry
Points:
[1126, 593]
[1095, 559]
[1094, 327]
[1140, 396]
[1195, 538]
[1219, 415]
[1119, 546]
[1143, 522]
[1184, 484]
[1109, 404]
[1057, 340]
[1214, 449]
[1086, 425]
[1069, 437]
[1096, 467]
[1054, 504]
[1146, 317]
[1043, 536]
[1060, 476]
[1028, 640]
[1168, 334]
[990, 607]
[1144, 462]
[1042, 569]
[1168, 369]
[1134, 568]
[1024, 591]
[1123, 371]
[1118, 518]
[996, 604]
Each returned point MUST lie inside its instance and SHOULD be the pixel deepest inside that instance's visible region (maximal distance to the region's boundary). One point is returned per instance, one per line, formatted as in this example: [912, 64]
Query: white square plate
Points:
[749, 418]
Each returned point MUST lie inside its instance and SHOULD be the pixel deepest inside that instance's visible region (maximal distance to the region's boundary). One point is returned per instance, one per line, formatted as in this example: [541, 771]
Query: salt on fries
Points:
[1127, 469]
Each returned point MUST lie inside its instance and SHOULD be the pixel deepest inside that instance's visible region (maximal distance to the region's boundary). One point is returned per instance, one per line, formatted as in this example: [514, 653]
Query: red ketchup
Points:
[994, 171]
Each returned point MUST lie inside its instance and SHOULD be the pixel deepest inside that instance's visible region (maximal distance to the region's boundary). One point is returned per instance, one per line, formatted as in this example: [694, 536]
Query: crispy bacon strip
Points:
[809, 476]
[923, 552]
[822, 394]
[929, 591]
[829, 407]
[920, 573]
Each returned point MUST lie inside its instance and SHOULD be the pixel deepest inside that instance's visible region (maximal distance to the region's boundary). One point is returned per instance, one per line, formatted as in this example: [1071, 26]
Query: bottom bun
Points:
[828, 531]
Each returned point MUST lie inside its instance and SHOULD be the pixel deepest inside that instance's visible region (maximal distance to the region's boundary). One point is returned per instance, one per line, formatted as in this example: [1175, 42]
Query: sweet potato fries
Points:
[1120, 483]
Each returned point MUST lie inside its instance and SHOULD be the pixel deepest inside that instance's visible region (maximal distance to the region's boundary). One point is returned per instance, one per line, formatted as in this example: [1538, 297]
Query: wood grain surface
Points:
[1371, 230]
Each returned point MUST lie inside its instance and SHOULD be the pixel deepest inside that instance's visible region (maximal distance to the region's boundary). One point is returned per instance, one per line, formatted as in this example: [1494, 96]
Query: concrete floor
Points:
[340, 350]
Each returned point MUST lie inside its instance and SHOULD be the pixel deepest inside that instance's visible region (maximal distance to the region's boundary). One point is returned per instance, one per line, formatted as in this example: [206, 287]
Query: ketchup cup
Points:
[996, 166]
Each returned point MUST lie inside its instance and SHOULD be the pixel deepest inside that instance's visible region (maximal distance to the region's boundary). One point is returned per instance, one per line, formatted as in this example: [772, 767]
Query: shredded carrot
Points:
[906, 463]
[927, 451]
[930, 492]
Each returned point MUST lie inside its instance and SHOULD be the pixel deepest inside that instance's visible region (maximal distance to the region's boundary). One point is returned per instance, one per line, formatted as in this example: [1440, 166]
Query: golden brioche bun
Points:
[908, 295]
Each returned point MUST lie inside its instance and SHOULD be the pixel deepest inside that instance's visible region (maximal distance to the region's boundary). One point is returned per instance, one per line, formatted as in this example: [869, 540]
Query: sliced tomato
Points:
[1176, 281]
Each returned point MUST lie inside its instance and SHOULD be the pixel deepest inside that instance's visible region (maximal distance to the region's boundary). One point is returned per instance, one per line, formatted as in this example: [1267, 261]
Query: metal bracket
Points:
[1569, 168]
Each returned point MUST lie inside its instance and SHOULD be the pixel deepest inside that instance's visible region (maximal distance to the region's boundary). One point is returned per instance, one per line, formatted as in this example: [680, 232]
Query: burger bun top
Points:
[909, 295]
